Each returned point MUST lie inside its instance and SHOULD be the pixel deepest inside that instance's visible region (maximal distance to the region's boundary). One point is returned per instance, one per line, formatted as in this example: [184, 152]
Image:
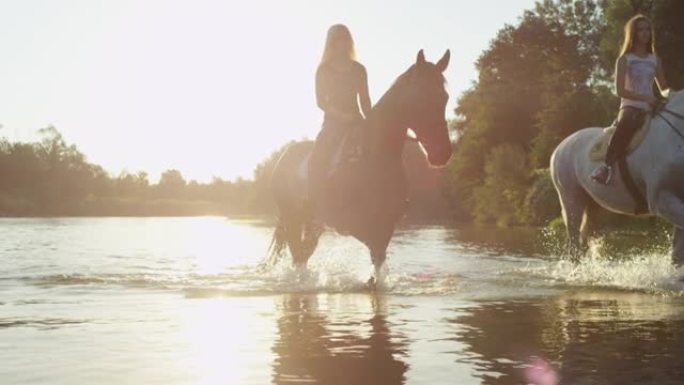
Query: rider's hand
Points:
[651, 100]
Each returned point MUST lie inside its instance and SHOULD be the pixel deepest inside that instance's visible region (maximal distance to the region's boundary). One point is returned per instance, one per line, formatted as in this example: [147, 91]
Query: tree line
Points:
[50, 177]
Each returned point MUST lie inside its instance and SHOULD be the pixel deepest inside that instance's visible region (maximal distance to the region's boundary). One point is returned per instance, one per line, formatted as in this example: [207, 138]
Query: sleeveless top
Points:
[340, 88]
[639, 78]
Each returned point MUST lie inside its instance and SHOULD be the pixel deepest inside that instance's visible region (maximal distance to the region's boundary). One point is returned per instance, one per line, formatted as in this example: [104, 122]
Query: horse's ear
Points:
[444, 61]
[420, 59]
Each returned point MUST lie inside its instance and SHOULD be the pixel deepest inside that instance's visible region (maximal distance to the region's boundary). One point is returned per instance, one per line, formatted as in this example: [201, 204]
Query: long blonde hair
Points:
[338, 44]
[630, 34]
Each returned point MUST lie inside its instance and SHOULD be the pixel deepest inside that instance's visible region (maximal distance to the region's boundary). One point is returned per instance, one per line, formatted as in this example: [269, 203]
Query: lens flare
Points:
[540, 372]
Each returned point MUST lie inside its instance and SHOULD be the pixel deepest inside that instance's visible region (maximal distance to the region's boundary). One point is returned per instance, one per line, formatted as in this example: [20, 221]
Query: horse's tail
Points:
[278, 243]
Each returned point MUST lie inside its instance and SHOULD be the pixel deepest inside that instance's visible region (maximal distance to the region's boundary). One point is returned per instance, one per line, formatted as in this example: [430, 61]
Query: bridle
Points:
[416, 138]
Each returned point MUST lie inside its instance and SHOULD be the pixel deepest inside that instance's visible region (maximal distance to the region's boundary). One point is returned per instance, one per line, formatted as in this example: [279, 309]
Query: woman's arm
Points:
[660, 78]
[364, 97]
[620, 71]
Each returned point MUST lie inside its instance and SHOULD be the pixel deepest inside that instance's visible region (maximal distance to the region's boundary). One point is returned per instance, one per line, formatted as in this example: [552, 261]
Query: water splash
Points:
[648, 271]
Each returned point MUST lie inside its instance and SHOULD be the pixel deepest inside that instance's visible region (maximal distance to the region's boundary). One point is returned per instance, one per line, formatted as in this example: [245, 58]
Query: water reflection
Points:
[496, 241]
[534, 241]
[350, 344]
[591, 338]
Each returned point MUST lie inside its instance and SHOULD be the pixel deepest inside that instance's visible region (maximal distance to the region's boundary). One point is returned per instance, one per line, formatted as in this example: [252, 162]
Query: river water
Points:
[183, 301]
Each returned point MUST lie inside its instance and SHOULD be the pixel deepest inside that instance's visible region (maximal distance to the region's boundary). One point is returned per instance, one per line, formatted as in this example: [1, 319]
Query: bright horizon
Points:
[206, 87]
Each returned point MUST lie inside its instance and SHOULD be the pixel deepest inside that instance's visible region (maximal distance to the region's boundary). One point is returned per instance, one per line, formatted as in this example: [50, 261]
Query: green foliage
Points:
[541, 202]
[171, 183]
[539, 81]
[426, 201]
[500, 199]
[261, 200]
[50, 177]
[464, 175]
[669, 34]
[536, 85]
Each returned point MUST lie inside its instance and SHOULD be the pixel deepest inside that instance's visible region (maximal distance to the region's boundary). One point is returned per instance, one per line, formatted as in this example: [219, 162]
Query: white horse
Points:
[657, 167]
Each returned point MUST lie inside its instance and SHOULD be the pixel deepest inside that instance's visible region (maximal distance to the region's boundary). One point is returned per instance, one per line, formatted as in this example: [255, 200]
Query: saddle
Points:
[346, 152]
[342, 186]
[597, 152]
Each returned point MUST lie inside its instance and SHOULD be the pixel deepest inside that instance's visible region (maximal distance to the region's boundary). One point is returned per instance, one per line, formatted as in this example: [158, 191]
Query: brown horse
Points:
[366, 198]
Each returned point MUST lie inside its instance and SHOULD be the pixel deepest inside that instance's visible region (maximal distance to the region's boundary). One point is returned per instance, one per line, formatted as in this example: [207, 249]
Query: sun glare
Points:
[215, 244]
[220, 334]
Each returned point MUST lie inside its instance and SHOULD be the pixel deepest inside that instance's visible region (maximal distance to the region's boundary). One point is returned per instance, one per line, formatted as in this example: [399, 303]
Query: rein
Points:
[680, 116]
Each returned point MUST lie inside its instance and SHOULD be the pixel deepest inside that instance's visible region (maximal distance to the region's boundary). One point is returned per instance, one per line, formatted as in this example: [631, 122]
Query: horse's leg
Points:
[378, 253]
[671, 208]
[293, 234]
[378, 256]
[678, 246]
[587, 229]
[302, 239]
[573, 199]
[574, 204]
[310, 236]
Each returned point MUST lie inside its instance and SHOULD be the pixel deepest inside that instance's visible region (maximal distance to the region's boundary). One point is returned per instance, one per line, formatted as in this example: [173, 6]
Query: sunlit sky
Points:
[211, 87]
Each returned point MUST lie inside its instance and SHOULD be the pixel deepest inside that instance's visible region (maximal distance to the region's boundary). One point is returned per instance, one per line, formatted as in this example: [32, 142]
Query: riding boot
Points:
[628, 122]
[329, 138]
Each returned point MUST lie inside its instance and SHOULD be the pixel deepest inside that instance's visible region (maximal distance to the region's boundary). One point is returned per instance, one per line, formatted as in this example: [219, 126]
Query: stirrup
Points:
[597, 174]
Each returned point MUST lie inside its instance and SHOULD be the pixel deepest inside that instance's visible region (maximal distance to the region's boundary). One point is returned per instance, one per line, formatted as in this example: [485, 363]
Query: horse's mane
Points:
[400, 82]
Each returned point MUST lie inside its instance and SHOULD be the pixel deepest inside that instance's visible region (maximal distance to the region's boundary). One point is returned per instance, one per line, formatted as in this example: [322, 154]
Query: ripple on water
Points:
[44, 323]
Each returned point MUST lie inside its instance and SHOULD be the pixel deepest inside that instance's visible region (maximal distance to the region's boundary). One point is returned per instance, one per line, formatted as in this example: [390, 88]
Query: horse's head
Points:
[423, 104]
